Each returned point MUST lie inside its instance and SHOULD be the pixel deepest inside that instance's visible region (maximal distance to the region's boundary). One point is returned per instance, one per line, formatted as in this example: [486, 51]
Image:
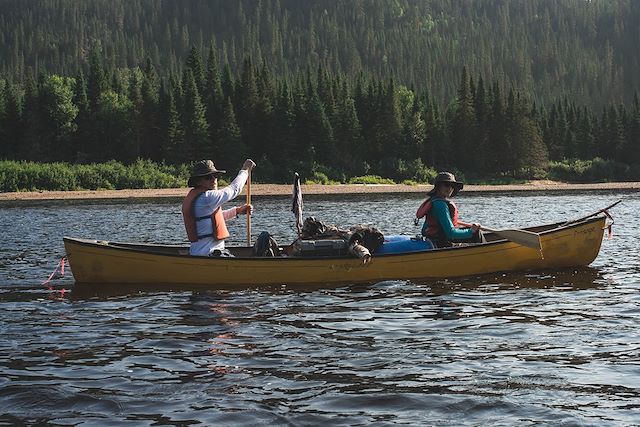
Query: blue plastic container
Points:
[402, 244]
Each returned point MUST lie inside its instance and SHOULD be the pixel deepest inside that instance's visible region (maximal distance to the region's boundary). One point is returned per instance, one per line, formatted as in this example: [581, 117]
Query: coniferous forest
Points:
[494, 90]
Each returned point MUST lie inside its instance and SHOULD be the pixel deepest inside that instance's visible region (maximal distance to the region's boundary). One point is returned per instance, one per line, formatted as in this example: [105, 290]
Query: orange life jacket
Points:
[432, 227]
[220, 231]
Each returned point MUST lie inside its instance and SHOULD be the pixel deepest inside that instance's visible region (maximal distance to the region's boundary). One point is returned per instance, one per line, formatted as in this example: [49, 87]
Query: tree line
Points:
[316, 122]
[586, 50]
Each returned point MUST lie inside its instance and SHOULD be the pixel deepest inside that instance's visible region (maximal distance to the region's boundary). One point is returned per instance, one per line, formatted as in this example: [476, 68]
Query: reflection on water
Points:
[546, 347]
[570, 279]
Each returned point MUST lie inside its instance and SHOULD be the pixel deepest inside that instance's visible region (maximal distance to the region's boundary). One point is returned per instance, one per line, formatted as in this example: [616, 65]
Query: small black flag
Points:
[296, 207]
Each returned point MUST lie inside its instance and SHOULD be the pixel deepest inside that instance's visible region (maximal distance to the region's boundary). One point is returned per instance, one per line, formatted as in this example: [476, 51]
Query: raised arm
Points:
[231, 191]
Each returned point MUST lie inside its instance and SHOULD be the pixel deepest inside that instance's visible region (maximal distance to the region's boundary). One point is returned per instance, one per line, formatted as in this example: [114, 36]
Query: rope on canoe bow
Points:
[610, 225]
[59, 266]
[47, 283]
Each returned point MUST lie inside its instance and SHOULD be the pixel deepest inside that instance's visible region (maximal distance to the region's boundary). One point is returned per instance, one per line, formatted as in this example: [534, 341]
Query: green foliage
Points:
[57, 103]
[31, 176]
[328, 126]
[370, 179]
[194, 122]
[550, 48]
[415, 170]
[596, 170]
[232, 149]
[113, 138]
[320, 178]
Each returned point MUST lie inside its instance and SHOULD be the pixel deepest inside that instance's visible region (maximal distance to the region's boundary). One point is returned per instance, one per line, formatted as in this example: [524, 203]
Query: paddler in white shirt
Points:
[204, 218]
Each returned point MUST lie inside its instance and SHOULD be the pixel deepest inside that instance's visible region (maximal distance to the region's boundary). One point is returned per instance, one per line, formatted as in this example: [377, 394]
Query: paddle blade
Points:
[521, 237]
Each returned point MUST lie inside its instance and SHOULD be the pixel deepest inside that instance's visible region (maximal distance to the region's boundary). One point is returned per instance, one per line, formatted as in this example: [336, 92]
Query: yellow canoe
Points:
[568, 244]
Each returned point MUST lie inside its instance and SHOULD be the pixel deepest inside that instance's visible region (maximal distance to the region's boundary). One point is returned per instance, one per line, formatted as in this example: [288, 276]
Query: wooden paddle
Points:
[521, 237]
[249, 210]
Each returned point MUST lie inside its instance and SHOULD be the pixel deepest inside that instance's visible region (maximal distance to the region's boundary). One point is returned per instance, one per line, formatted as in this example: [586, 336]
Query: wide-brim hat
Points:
[203, 168]
[446, 177]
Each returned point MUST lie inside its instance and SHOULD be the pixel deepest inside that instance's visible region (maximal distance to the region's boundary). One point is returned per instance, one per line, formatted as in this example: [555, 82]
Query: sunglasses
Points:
[212, 176]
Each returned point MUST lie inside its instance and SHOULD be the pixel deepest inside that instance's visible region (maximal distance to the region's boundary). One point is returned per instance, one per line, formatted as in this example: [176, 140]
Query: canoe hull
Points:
[103, 262]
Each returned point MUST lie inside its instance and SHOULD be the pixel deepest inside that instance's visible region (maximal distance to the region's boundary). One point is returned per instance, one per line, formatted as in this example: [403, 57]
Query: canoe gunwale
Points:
[148, 248]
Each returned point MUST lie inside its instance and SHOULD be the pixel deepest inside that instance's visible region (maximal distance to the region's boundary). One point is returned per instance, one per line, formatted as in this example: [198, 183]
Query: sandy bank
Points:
[276, 189]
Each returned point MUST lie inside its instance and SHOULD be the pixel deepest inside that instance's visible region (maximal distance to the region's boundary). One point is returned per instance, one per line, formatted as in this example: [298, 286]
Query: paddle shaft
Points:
[249, 209]
[521, 237]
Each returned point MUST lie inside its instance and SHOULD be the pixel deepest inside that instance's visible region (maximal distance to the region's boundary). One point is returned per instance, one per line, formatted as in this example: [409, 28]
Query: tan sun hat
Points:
[446, 177]
[203, 168]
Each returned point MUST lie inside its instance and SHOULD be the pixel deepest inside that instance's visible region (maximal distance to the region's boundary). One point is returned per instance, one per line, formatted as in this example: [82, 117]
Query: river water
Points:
[543, 348]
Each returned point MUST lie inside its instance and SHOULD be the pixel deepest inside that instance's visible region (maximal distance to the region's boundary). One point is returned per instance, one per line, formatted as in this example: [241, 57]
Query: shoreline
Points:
[316, 189]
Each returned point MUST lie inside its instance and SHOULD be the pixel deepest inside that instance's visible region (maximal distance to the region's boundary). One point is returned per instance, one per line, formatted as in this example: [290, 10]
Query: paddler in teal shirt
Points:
[442, 225]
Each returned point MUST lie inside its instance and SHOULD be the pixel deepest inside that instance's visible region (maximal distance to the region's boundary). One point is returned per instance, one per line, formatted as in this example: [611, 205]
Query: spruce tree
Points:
[432, 138]
[497, 143]
[413, 134]
[303, 149]
[585, 137]
[390, 120]
[3, 99]
[633, 138]
[137, 131]
[464, 128]
[33, 146]
[247, 105]
[150, 115]
[528, 154]
[325, 93]
[284, 136]
[482, 110]
[264, 116]
[232, 149]
[348, 137]
[172, 140]
[228, 84]
[83, 120]
[616, 134]
[97, 80]
[4, 143]
[319, 133]
[558, 127]
[213, 96]
[196, 129]
[11, 124]
[195, 63]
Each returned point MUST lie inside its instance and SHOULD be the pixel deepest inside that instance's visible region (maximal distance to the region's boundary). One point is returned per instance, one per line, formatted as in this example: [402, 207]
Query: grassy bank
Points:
[143, 174]
[30, 176]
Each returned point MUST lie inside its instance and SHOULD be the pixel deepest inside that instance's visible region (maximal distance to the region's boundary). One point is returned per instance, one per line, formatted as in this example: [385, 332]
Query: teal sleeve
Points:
[441, 210]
